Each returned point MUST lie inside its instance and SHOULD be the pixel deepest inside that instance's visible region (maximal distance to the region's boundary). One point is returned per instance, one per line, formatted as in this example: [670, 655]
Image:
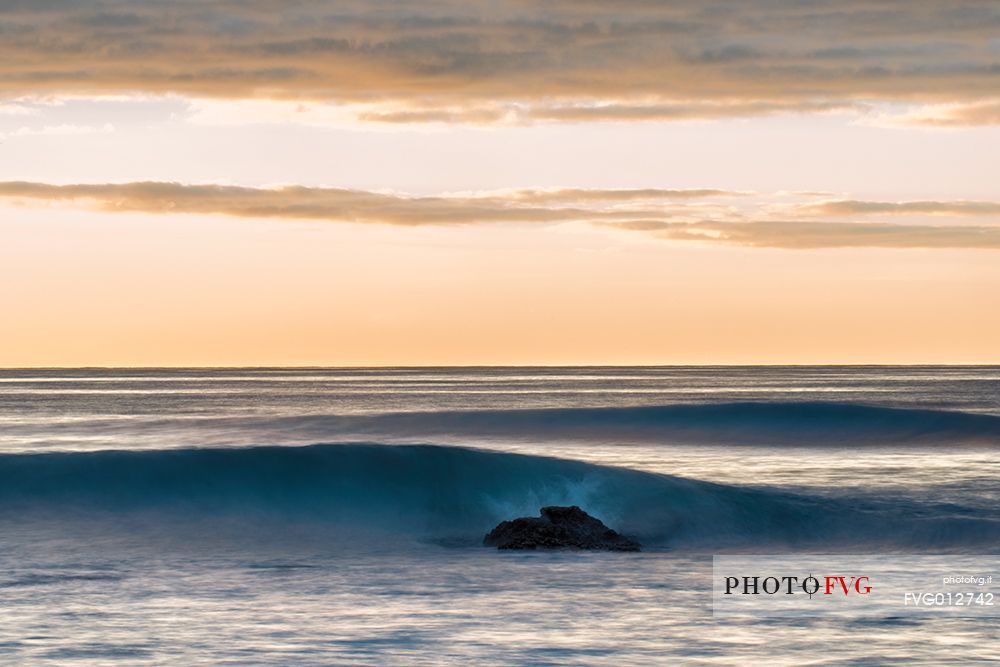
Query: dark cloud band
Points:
[479, 61]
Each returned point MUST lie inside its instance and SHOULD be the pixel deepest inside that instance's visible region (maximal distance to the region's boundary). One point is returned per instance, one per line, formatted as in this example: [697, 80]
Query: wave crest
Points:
[436, 493]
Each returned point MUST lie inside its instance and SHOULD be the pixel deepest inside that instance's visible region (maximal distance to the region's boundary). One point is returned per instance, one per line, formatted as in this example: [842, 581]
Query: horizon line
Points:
[539, 366]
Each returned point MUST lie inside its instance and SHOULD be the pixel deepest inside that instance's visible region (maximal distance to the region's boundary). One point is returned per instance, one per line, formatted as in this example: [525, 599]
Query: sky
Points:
[347, 183]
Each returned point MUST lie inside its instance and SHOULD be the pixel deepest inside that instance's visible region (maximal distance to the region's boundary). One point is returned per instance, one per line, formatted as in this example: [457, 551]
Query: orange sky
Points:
[135, 290]
[710, 196]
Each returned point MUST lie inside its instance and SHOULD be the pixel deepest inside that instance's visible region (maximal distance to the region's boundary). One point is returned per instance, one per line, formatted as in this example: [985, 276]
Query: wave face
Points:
[454, 495]
[757, 423]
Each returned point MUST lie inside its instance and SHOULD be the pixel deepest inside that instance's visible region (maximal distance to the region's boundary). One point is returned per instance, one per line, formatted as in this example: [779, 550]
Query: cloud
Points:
[478, 61]
[815, 235]
[703, 215]
[987, 113]
[581, 112]
[690, 110]
[341, 205]
[946, 208]
[946, 115]
[624, 194]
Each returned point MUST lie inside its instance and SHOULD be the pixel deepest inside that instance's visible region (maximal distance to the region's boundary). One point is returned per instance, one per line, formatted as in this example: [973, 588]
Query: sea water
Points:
[335, 516]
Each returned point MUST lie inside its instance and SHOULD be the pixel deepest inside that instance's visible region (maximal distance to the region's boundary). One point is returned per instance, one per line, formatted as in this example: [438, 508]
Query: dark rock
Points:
[558, 527]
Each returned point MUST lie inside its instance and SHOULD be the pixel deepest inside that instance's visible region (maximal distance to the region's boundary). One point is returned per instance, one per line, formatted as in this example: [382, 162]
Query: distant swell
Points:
[784, 423]
[452, 495]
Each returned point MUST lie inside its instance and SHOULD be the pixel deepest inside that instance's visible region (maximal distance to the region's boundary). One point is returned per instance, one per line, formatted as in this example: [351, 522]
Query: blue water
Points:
[323, 516]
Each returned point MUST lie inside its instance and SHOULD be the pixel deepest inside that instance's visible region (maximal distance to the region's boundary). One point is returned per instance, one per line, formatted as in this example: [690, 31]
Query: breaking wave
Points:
[454, 495]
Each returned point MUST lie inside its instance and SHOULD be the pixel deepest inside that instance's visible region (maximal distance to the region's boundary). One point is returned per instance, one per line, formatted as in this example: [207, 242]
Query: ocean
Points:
[335, 516]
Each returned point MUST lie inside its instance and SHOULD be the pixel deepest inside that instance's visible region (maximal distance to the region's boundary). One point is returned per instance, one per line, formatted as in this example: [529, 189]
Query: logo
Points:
[789, 585]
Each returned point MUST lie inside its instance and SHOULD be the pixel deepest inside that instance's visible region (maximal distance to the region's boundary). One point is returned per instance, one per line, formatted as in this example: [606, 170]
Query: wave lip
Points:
[449, 495]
